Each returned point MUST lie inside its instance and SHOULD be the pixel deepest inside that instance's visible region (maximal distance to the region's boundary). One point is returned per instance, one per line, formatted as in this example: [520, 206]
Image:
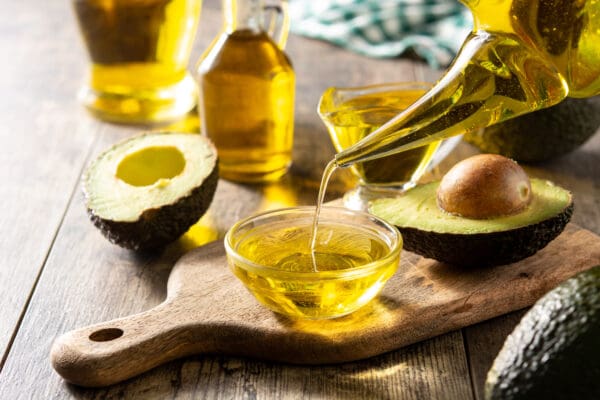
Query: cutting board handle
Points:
[116, 350]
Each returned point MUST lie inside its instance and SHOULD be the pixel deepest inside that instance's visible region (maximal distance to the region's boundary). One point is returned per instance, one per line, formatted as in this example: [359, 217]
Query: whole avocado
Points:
[554, 352]
[543, 134]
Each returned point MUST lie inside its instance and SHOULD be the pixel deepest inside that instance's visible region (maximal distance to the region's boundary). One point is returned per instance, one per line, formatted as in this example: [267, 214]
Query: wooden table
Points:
[58, 273]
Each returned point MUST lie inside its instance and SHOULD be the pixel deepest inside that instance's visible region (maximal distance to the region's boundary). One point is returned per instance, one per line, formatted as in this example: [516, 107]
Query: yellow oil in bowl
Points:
[355, 255]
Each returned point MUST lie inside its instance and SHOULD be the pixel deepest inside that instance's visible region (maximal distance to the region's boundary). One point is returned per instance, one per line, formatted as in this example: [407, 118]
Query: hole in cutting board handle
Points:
[107, 334]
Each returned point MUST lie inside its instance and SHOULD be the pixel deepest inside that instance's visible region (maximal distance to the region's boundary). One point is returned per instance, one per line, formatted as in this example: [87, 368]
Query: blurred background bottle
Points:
[247, 88]
[139, 51]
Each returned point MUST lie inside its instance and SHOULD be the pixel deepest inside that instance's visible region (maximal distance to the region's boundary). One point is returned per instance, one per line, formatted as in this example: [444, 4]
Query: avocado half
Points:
[148, 190]
[554, 351]
[541, 135]
[428, 230]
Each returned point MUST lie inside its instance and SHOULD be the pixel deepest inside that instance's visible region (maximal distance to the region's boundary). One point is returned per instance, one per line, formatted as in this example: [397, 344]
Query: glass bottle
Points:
[523, 55]
[139, 52]
[247, 92]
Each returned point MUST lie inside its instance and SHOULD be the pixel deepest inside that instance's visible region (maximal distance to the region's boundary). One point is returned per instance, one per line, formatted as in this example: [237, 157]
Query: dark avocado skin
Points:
[158, 227]
[486, 249]
[554, 352]
[543, 134]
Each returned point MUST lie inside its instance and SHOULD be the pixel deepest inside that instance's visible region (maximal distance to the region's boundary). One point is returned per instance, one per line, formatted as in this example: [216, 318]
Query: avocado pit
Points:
[484, 186]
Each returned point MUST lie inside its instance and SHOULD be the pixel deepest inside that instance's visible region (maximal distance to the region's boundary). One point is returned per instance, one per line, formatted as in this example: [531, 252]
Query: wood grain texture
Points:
[208, 311]
[484, 342]
[43, 144]
[45, 136]
[105, 282]
[396, 375]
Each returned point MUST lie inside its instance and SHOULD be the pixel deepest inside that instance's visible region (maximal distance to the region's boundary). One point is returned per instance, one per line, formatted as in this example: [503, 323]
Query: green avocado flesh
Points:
[432, 232]
[554, 351]
[147, 191]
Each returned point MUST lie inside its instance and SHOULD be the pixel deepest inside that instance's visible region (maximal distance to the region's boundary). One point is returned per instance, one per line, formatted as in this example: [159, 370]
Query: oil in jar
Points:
[139, 52]
[247, 89]
[357, 117]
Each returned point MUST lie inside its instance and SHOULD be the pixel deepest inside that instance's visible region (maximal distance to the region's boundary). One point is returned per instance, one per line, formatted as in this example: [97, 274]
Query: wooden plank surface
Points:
[107, 282]
[45, 138]
[85, 279]
[484, 341]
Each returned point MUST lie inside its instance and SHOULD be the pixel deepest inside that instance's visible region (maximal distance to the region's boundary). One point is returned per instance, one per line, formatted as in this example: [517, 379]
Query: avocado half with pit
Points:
[431, 231]
[146, 191]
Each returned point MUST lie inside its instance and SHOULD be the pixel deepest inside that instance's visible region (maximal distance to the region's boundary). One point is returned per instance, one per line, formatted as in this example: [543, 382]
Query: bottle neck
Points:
[243, 15]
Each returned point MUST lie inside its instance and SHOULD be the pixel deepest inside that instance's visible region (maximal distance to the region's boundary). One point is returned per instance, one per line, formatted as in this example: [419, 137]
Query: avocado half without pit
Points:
[146, 191]
[485, 211]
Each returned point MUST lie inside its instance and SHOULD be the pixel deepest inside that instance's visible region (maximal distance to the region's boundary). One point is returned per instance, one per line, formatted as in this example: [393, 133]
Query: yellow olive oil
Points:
[292, 287]
[523, 55]
[247, 89]
[357, 117]
[566, 33]
[139, 52]
[327, 173]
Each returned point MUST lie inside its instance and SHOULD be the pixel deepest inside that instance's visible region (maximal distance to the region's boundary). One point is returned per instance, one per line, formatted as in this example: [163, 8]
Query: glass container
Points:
[355, 254]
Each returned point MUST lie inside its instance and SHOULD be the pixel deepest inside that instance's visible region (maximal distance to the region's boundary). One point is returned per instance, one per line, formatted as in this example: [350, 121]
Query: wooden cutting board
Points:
[208, 310]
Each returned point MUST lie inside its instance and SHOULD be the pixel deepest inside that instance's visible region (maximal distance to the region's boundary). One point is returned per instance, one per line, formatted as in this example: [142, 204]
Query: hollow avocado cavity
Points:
[148, 165]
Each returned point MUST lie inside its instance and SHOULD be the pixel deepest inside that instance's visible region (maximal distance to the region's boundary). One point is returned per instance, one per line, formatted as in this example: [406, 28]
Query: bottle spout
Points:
[494, 77]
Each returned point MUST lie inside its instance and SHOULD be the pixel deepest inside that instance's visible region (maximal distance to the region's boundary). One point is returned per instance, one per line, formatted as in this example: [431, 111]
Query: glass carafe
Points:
[523, 55]
[352, 113]
[247, 92]
[139, 52]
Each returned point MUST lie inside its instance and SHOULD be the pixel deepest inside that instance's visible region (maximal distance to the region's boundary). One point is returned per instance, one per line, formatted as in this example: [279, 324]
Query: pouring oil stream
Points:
[329, 169]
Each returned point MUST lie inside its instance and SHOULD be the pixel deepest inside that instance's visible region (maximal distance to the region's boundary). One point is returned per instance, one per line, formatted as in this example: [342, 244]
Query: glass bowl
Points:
[355, 254]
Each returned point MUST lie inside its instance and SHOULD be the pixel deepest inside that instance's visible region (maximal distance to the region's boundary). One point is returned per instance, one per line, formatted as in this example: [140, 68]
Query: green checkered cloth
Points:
[433, 29]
